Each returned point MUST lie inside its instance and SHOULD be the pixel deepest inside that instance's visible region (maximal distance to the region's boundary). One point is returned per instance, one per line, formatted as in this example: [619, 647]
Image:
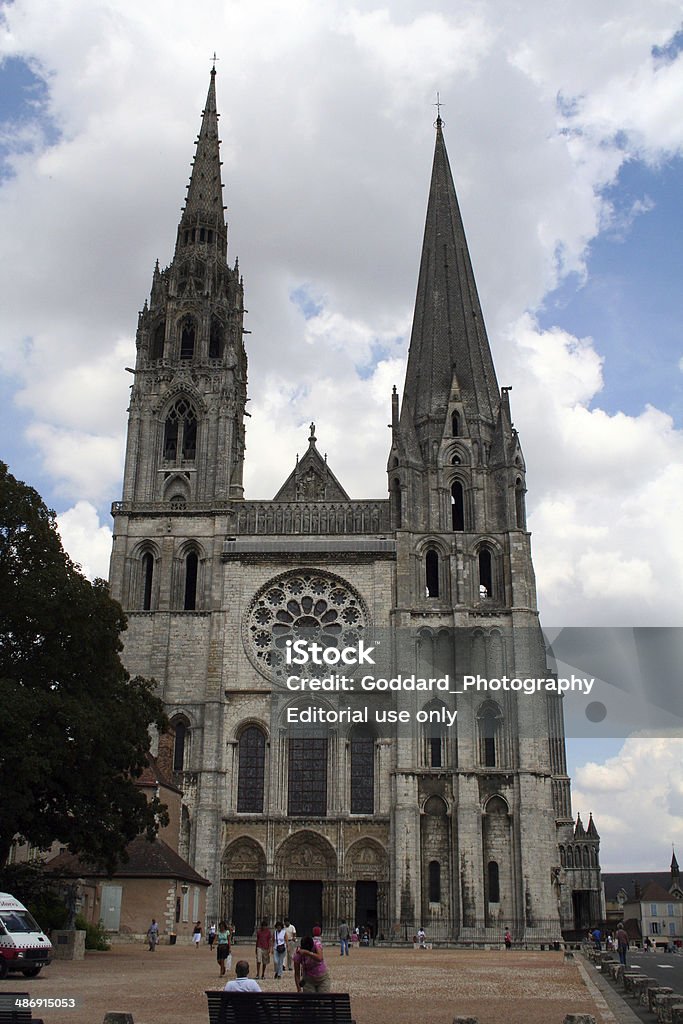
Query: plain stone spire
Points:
[448, 337]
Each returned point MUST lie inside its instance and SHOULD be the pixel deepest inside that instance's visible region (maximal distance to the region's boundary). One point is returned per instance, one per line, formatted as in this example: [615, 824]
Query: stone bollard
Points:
[640, 985]
[664, 1004]
[116, 1017]
[579, 1018]
[677, 1013]
[653, 993]
[615, 972]
[568, 955]
[628, 978]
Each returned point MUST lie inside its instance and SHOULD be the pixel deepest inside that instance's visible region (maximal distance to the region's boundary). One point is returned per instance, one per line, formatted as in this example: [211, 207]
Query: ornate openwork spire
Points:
[204, 209]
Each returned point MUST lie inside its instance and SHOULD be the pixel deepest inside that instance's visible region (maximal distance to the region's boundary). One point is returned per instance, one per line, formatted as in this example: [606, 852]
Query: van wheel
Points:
[3, 967]
[31, 972]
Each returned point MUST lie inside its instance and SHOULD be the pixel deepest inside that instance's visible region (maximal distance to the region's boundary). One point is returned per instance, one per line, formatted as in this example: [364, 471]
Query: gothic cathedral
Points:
[390, 823]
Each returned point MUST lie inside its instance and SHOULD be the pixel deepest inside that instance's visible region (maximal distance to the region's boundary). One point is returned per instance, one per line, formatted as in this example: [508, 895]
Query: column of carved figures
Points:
[226, 900]
[329, 907]
[382, 905]
[345, 903]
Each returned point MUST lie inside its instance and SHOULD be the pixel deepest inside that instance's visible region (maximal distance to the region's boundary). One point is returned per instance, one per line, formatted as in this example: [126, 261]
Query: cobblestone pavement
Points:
[401, 986]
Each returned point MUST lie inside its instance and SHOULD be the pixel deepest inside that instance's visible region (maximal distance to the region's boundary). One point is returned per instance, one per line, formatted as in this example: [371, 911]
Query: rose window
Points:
[313, 606]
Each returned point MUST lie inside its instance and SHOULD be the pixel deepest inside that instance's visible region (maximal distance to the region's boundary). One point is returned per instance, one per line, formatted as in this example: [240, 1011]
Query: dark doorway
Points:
[244, 906]
[305, 906]
[366, 906]
[582, 910]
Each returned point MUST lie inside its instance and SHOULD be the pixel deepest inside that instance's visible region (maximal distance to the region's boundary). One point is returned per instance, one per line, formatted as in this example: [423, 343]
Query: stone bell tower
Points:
[186, 418]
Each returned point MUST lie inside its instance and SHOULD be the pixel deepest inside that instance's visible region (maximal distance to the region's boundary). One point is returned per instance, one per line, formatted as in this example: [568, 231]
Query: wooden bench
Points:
[10, 1013]
[279, 1008]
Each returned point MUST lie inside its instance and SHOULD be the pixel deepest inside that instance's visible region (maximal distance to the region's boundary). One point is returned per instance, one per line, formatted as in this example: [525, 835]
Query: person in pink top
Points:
[310, 969]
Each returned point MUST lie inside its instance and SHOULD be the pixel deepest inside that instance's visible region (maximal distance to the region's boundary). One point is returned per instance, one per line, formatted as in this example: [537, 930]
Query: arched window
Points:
[457, 506]
[216, 339]
[435, 735]
[455, 424]
[519, 504]
[187, 336]
[489, 725]
[434, 881]
[485, 573]
[179, 744]
[493, 882]
[362, 773]
[180, 432]
[158, 340]
[251, 773]
[147, 580]
[432, 573]
[307, 776]
[191, 568]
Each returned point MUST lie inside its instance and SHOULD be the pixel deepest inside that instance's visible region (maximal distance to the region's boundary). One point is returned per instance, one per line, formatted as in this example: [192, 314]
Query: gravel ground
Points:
[403, 986]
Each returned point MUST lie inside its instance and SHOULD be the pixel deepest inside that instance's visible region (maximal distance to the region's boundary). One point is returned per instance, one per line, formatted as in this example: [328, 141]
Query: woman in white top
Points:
[279, 948]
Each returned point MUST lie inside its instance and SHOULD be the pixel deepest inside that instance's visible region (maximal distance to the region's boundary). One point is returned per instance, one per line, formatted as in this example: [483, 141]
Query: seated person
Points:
[242, 983]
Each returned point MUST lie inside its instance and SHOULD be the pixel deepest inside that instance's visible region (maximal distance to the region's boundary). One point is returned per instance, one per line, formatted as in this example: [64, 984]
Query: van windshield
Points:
[18, 921]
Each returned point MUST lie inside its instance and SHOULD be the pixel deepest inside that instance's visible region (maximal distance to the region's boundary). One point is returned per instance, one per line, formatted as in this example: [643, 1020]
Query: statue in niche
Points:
[310, 487]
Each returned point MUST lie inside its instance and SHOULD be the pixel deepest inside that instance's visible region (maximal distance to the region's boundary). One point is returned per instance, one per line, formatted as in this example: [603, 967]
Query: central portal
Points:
[305, 906]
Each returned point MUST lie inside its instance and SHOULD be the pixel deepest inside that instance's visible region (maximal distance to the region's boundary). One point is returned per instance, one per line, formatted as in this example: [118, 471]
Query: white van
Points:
[23, 947]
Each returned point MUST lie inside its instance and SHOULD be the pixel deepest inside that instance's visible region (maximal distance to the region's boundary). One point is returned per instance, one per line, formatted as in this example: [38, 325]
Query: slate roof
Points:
[145, 860]
[627, 880]
[153, 775]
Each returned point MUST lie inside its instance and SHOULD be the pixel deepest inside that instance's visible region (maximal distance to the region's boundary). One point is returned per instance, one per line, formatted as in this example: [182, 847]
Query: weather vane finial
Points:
[438, 123]
[213, 63]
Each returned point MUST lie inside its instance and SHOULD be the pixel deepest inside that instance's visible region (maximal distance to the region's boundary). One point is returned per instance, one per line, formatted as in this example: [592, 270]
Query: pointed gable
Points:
[311, 479]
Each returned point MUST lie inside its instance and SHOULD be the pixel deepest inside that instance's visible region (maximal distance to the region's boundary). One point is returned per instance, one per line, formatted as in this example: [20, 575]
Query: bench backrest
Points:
[279, 1008]
[10, 1013]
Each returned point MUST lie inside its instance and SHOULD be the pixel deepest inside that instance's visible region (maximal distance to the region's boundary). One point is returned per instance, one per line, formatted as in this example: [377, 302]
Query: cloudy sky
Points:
[564, 125]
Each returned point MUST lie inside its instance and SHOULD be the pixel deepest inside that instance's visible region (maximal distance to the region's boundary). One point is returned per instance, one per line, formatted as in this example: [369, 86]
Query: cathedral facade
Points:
[389, 807]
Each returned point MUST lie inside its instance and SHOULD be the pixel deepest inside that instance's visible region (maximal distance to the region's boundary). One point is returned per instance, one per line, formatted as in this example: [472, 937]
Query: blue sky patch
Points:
[305, 302]
[631, 303]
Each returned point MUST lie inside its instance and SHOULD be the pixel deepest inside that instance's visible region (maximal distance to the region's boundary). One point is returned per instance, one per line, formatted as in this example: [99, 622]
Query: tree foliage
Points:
[74, 727]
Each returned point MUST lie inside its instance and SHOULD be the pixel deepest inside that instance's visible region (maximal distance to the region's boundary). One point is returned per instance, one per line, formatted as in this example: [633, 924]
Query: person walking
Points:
[264, 944]
[153, 936]
[197, 934]
[310, 970]
[290, 934]
[622, 942]
[223, 948]
[507, 939]
[344, 935]
[211, 938]
[279, 948]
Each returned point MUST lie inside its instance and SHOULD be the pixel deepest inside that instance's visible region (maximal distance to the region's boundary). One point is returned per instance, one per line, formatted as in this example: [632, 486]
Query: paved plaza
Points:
[401, 986]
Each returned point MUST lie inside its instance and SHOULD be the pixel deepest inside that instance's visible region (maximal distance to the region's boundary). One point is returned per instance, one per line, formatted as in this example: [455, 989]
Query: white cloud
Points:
[614, 792]
[81, 531]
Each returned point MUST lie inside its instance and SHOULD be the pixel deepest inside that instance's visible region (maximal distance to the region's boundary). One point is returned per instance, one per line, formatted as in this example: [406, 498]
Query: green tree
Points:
[74, 727]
